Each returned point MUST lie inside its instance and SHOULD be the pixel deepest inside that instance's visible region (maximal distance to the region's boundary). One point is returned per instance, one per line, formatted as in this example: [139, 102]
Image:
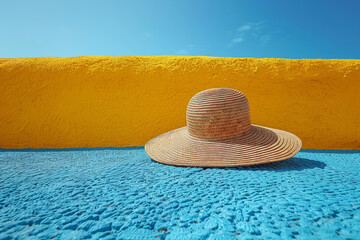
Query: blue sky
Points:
[252, 28]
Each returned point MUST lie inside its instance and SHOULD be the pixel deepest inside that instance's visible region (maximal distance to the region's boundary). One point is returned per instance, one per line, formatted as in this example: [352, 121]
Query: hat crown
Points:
[218, 113]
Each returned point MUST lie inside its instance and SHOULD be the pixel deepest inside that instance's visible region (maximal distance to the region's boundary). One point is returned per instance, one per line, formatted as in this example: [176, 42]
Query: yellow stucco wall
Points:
[125, 101]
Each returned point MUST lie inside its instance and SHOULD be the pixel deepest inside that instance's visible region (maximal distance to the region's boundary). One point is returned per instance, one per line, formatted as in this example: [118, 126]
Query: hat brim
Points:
[260, 145]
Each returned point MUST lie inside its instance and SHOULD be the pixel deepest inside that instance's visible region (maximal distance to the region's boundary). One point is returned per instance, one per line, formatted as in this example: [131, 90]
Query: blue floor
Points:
[120, 193]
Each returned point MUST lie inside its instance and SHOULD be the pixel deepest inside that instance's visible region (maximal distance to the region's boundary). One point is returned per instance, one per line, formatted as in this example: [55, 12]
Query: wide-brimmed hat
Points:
[219, 134]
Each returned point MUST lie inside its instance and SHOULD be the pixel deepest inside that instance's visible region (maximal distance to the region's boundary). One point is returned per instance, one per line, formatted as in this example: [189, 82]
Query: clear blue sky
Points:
[252, 28]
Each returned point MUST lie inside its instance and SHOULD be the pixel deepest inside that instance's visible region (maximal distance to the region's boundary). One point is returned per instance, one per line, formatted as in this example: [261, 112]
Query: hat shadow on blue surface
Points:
[292, 164]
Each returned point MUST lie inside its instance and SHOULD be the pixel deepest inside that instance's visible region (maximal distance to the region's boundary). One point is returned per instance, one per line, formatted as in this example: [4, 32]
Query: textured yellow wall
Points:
[125, 101]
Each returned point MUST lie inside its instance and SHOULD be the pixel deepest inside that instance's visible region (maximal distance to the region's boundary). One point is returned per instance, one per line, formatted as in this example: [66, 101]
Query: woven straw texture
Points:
[219, 133]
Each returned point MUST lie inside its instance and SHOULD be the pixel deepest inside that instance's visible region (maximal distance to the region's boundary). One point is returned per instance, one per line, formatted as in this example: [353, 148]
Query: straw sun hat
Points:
[219, 134]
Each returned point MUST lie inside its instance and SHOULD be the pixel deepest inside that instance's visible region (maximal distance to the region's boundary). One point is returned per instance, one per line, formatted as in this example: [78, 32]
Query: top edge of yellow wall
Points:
[176, 56]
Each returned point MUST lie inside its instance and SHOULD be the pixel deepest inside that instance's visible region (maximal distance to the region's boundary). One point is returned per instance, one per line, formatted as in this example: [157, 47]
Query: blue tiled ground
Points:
[121, 193]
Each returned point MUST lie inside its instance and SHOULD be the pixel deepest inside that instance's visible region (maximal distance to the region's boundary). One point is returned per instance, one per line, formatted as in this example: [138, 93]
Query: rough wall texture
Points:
[125, 101]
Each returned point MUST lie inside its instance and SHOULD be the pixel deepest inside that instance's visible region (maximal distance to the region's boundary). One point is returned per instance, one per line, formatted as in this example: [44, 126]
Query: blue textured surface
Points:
[120, 193]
